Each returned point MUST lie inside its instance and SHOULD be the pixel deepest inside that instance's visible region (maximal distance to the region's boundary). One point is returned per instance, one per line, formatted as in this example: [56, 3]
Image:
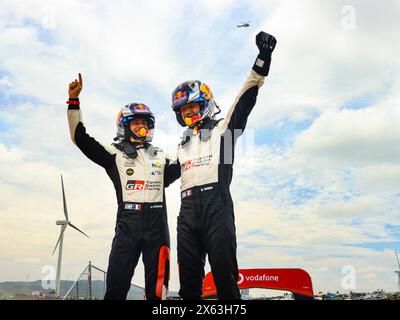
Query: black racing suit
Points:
[141, 225]
[206, 219]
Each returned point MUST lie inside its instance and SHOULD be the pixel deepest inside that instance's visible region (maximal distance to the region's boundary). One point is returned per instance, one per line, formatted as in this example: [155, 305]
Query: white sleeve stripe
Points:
[74, 117]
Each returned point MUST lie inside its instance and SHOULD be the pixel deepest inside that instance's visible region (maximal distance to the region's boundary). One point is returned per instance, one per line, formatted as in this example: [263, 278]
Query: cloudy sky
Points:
[317, 175]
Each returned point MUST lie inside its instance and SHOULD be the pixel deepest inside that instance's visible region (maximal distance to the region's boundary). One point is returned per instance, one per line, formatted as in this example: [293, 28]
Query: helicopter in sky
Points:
[244, 24]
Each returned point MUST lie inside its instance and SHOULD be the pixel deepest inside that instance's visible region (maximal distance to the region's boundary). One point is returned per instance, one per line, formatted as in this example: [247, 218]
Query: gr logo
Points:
[186, 165]
[135, 185]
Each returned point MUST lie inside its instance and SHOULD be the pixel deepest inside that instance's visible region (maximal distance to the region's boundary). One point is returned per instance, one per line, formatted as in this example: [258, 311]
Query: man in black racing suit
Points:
[139, 172]
[205, 156]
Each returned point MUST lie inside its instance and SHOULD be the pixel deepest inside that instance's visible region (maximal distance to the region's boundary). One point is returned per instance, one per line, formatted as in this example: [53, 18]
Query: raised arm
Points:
[238, 113]
[88, 145]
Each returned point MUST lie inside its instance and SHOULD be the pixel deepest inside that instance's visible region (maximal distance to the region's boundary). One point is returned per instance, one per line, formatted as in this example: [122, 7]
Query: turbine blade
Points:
[78, 229]
[59, 238]
[397, 257]
[64, 201]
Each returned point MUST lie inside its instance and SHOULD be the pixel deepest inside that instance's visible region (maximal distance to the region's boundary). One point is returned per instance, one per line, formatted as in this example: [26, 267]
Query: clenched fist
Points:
[266, 44]
[75, 87]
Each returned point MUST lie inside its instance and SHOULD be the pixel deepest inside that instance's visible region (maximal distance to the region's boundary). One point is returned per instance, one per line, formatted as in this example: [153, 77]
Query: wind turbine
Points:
[398, 271]
[64, 224]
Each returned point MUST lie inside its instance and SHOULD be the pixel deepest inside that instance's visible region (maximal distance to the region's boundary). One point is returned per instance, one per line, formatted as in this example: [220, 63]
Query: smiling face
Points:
[138, 124]
[189, 110]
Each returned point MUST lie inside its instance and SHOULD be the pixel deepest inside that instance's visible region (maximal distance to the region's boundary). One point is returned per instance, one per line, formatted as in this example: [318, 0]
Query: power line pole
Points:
[90, 280]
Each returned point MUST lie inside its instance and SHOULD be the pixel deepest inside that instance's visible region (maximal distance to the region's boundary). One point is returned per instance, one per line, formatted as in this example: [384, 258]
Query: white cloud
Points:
[378, 177]
[359, 207]
[355, 146]
[318, 65]
[27, 260]
[124, 50]
[325, 230]
[352, 137]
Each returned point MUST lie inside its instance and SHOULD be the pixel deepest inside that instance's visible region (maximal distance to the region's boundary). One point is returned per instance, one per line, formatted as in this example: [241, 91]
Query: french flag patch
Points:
[186, 193]
[133, 206]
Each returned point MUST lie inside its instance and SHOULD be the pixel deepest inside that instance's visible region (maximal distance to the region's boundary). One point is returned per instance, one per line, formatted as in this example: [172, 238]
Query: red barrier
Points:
[296, 281]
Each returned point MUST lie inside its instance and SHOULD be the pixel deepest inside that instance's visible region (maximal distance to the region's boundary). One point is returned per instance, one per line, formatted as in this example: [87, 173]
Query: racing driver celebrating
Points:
[139, 172]
[205, 157]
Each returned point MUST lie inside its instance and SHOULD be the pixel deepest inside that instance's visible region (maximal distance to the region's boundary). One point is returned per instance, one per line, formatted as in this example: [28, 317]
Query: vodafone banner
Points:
[296, 281]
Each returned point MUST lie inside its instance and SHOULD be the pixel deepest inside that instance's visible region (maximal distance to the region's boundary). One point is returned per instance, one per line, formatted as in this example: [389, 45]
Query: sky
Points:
[317, 173]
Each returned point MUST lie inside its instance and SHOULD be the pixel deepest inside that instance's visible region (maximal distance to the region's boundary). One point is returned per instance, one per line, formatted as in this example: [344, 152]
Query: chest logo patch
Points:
[140, 185]
[135, 185]
[156, 165]
[198, 162]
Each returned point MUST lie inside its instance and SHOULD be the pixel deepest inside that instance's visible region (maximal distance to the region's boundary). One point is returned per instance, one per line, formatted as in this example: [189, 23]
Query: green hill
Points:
[20, 289]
